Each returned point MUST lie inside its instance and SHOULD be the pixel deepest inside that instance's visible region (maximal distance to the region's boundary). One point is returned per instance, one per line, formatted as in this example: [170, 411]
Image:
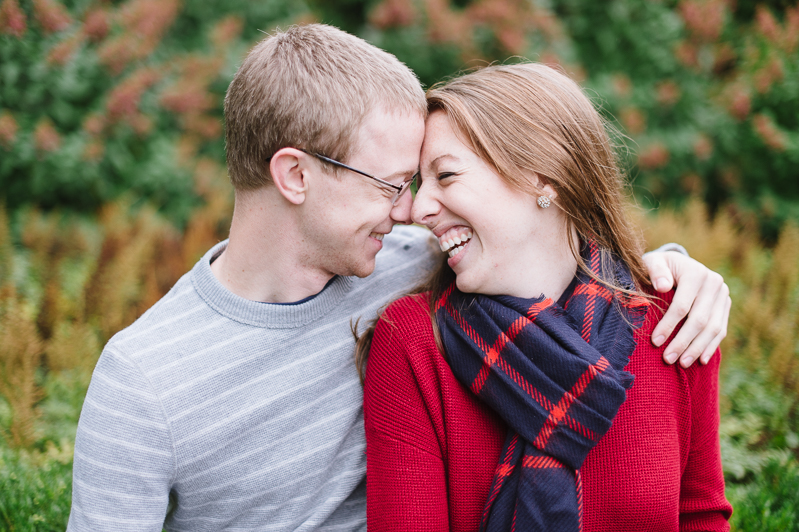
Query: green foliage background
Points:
[112, 176]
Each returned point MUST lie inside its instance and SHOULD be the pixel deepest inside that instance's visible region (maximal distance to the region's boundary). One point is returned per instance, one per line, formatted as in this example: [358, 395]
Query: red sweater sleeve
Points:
[702, 502]
[405, 482]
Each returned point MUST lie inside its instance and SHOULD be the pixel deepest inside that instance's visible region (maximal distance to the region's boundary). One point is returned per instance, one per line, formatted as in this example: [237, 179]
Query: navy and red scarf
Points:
[554, 372]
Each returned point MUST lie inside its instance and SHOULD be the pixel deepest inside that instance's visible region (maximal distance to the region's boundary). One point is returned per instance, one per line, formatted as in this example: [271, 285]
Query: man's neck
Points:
[261, 261]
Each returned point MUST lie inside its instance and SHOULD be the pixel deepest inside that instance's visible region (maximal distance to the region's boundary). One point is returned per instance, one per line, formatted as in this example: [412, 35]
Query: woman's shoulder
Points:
[658, 305]
[405, 331]
[408, 312]
[646, 350]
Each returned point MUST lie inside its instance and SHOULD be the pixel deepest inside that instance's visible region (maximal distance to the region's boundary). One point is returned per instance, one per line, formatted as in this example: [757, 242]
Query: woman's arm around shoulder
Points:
[406, 484]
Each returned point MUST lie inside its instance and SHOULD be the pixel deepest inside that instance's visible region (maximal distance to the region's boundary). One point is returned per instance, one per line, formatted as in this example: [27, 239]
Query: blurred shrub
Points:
[99, 100]
[706, 90]
[36, 488]
[772, 503]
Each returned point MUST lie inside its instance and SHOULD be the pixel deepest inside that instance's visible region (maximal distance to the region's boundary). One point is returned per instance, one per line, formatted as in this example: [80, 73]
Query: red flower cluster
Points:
[94, 124]
[703, 147]
[61, 52]
[144, 23]
[8, 129]
[96, 25]
[189, 95]
[668, 93]
[51, 15]
[93, 151]
[633, 119]
[691, 183]
[769, 133]
[739, 101]
[622, 85]
[785, 37]
[45, 136]
[687, 54]
[656, 155]
[12, 19]
[123, 102]
[770, 73]
[226, 30]
[393, 14]
[510, 21]
[704, 18]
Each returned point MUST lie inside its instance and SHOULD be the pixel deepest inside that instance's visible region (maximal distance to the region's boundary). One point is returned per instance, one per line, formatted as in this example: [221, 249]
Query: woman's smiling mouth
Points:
[453, 241]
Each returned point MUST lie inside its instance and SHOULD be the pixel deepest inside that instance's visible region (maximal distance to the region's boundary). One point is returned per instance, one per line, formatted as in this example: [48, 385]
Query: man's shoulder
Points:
[179, 312]
[405, 247]
[408, 235]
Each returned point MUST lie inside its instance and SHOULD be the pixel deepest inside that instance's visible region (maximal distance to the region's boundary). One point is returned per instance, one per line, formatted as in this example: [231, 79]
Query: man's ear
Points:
[289, 174]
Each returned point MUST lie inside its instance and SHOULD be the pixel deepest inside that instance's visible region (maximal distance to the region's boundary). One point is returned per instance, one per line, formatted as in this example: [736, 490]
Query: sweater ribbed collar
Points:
[261, 314]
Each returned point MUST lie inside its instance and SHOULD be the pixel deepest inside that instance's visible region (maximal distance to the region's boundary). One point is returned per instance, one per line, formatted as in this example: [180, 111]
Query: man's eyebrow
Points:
[396, 175]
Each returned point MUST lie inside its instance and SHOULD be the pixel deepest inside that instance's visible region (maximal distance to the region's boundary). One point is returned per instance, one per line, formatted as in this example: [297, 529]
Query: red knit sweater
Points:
[432, 445]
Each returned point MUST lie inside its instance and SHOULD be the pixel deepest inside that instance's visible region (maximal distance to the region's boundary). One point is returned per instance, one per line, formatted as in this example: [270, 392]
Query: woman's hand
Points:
[701, 294]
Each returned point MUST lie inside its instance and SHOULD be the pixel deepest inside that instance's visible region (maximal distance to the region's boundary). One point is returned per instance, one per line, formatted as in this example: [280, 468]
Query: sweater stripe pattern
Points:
[555, 373]
[213, 412]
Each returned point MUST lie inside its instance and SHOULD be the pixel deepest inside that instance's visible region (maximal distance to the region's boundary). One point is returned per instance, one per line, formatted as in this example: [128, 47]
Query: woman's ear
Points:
[543, 186]
[289, 174]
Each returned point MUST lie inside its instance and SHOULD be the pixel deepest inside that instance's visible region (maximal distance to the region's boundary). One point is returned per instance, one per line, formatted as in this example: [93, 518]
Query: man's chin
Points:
[363, 271]
[363, 268]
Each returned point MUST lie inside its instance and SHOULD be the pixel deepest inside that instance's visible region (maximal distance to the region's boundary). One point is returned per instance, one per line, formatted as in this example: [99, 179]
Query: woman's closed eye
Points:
[443, 175]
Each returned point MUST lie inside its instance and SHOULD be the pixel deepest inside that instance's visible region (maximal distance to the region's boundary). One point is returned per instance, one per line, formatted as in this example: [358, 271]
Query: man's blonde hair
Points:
[309, 87]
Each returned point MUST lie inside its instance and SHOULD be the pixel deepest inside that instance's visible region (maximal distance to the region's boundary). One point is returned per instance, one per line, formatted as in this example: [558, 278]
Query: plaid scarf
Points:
[554, 372]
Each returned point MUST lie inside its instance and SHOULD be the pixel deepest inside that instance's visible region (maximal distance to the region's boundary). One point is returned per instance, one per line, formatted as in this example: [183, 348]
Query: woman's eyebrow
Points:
[438, 159]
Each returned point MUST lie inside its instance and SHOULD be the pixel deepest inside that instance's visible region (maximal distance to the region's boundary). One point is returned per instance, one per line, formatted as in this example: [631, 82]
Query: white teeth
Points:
[451, 246]
[455, 251]
[378, 236]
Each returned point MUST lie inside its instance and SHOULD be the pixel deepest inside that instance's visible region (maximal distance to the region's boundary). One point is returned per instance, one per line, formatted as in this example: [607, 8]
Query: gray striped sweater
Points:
[212, 412]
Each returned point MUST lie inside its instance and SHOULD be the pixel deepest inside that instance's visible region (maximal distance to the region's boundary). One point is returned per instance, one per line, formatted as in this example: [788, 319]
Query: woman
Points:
[525, 395]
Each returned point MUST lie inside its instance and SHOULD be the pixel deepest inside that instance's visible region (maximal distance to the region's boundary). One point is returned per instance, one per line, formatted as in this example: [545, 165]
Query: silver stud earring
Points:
[544, 201]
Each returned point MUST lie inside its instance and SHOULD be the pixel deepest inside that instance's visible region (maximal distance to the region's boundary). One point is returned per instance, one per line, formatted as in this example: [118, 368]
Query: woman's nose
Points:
[425, 207]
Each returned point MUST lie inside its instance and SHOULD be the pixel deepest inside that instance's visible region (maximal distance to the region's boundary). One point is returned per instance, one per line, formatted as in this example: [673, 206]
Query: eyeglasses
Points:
[398, 190]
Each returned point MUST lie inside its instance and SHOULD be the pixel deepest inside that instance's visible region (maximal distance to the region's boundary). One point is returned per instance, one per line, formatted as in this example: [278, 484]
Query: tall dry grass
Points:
[67, 285]
[763, 330]
[20, 354]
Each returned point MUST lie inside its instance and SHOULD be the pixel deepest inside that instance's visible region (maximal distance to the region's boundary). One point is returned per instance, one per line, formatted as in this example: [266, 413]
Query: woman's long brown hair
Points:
[529, 118]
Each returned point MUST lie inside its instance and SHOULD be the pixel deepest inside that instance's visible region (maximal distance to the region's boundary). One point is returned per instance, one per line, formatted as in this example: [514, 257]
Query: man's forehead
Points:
[390, 143]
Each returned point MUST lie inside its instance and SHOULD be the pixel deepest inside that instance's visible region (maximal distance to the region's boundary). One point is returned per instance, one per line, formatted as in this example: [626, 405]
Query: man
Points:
[234, 403]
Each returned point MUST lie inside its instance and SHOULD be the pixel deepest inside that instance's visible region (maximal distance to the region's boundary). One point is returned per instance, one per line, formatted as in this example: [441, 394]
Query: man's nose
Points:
[401, 211]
